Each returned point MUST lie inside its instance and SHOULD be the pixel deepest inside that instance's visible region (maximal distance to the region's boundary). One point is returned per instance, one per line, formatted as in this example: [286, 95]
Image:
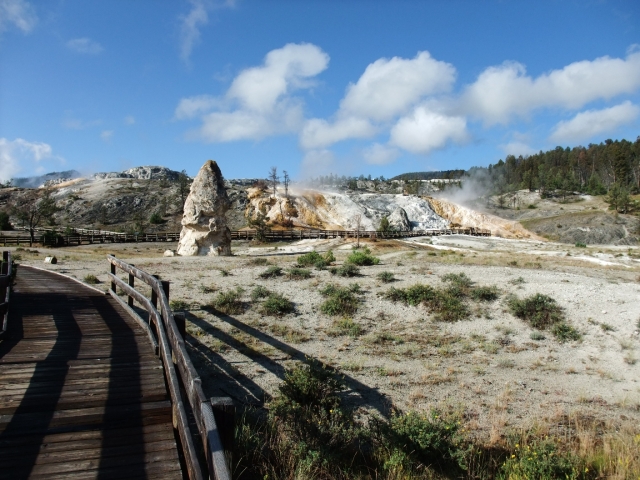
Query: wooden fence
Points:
[50, 238]
[6, 277]
[166, 331]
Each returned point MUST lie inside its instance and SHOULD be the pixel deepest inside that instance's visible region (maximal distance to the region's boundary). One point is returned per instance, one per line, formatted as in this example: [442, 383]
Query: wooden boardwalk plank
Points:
[82, 395]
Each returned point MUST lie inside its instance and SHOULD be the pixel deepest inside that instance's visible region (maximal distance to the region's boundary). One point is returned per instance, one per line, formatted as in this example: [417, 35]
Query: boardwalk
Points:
[82, 394]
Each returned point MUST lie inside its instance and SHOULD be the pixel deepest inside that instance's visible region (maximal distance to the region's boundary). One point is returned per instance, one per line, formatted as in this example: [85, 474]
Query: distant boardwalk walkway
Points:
[82, 394]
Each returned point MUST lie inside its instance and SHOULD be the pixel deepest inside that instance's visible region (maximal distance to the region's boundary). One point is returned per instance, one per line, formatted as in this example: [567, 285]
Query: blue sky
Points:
[312, 87]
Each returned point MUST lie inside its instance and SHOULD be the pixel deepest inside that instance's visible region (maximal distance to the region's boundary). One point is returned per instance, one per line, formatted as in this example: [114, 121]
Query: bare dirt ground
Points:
[489, 365]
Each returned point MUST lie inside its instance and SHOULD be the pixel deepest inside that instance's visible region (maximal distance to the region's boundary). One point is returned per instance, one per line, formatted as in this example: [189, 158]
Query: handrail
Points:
[173, 350]
[6, 274]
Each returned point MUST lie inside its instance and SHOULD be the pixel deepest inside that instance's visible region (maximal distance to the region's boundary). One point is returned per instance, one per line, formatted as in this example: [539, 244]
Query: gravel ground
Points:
[488, 365]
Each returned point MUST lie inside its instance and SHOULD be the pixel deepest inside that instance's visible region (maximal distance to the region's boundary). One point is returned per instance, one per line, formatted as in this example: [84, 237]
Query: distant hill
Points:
[442, 174]
[33, 182]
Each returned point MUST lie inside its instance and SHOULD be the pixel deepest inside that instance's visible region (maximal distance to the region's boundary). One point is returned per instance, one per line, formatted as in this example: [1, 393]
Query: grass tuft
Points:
[277, 305]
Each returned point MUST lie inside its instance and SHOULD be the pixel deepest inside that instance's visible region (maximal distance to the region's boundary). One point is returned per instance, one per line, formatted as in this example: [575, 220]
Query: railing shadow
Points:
[358, 394]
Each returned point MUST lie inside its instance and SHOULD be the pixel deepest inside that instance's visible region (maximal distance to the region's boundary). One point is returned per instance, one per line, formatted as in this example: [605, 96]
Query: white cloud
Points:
[504, 91]
[249, 125]
[84, 45]
[259, 101]
[197, 18]
[129, 120]
[591, 123]
[517, 148]
[191, 23]
[424, 131]
[193, 106]
[380, 154]
[318, 133]
[285, 69]
[18, 13]
[20, 155]
[106, 135]
[388, 87]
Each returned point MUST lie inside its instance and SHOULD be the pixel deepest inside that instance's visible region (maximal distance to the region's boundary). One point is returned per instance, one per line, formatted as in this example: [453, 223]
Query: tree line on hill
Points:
[611, 168]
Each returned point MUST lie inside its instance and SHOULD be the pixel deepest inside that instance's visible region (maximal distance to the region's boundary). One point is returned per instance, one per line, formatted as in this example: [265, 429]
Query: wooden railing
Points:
[166, 332]
[6, 276]
[271, 235]
[60, 240]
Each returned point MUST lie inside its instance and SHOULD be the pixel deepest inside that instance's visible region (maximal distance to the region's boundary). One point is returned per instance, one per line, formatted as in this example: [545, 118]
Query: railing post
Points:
[131, 283]
[5, 262]
[224, 412]
[113, 272]
[181, 323]
[154, 302]
[165, 287]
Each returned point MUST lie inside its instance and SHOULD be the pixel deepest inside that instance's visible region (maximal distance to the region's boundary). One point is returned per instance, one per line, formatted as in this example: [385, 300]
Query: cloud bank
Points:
[20, 155]
[409, 105]
[17, 13]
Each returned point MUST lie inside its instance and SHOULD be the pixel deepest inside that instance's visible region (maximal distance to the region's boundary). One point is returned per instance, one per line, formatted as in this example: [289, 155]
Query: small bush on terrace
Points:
[362, 258]
[91, 279]
[386, 277]
[341, 300]
[540, 311]
[346, 326]
[542, 459]
[259, 292]
[298, 273]
[277, 305]
[178, 305]
[229, 302]
[272, 272]
[447, 304]
[346, 270]
[485, 294]
[315, 259]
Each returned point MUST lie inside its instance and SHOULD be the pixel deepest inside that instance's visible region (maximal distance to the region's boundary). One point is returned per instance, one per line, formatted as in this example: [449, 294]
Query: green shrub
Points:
[485, 294]
[447, 304]
[531, 206]
[537, 336]
[298, 273]
[565, 332]
[458, 280]
[386, 277]
[310, 259]
[272, 272]
[224, 273]
[329, 257]
[346, 326]
[362, 258]
[541, 459]
[581, 245]
[433, 438]
[340, 301]
[156, 218]
[259, 292]
[229, 302]
[178, 305]
[277, 305]
[258, 262]
[539, 311]
[208, 288]
[346, 270]
[91, 279]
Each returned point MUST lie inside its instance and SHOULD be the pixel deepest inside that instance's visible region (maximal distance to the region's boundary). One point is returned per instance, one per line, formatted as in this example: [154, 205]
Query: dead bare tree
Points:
[358, 221]
[33, 208]
[285, 181]
[274, 179]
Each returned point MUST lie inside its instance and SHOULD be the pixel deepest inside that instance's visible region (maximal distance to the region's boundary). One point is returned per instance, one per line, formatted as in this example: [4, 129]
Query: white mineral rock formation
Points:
[204, 225]
[399, 220]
